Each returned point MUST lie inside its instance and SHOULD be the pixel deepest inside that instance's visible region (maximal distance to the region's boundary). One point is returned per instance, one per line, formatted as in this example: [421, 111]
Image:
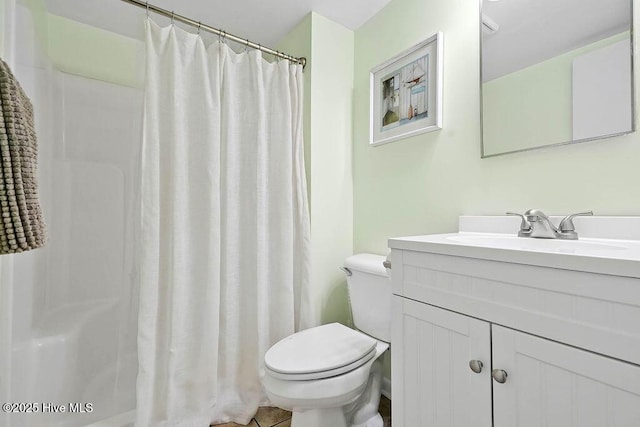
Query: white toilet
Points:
[331, 375]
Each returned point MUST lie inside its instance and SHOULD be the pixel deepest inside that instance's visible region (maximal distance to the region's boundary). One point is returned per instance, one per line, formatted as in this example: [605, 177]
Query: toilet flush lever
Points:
[346, 271]
[386, 263]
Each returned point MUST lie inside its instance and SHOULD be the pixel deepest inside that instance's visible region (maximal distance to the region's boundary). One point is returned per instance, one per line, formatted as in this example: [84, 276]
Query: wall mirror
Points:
[554, 72]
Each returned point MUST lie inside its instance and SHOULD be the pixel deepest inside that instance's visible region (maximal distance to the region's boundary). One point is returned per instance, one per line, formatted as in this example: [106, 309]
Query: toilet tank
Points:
[369, 295]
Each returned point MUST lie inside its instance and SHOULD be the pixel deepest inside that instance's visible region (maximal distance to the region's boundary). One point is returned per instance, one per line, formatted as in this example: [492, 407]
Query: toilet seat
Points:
[321, 352]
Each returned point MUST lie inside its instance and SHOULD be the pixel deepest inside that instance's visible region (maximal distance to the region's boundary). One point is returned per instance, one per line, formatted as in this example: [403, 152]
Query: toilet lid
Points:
[321, 350]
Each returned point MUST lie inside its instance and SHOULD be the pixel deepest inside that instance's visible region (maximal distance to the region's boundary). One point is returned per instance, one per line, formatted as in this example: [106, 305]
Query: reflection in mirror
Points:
[554, 72]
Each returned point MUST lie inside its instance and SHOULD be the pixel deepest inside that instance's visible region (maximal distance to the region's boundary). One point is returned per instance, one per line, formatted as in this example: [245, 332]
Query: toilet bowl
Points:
[331, 375]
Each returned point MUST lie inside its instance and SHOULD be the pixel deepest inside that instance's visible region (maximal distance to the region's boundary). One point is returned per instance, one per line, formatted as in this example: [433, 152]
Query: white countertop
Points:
[614, 256]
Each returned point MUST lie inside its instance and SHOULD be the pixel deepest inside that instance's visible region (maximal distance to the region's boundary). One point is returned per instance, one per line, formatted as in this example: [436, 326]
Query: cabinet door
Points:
[553, 385]
[432, 384]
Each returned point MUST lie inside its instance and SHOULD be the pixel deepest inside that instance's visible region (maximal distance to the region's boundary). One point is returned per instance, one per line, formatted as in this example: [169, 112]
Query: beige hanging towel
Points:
[22, 226]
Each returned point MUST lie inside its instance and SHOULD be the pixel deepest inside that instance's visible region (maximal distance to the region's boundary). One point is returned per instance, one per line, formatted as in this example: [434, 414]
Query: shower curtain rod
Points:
[175, 17]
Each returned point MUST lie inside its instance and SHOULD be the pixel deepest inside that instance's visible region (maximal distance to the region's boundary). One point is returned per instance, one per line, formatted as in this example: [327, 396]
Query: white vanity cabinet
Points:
[568, 340]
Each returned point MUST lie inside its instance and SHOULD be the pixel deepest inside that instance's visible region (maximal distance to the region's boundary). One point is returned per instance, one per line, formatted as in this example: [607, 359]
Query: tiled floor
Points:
[276, 417]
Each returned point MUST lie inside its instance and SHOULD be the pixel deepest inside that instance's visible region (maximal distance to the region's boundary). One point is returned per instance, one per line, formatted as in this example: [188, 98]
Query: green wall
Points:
[532, 106]
[83, 50]
[298, 43]
[421, 185]
[328, 135]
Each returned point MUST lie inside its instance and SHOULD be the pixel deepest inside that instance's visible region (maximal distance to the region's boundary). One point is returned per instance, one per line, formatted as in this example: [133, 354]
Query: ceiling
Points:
[531, 31]
[263, 22]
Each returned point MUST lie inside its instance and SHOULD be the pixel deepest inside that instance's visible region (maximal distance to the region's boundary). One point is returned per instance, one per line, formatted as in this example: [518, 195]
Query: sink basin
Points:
[583, 247]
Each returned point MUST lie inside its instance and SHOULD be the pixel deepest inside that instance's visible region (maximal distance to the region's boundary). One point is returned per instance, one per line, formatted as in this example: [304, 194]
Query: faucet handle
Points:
[524, 225]
[567, 223]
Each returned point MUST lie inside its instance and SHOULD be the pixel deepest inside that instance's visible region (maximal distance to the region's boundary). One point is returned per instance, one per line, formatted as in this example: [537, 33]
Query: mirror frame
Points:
[558, 144]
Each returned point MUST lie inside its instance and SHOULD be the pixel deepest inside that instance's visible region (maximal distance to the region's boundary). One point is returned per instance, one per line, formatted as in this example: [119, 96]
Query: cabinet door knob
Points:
[476, 366]
[499, 375]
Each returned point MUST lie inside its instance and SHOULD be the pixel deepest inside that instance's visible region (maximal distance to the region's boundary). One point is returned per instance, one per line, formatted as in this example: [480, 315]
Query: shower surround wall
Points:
[73, 326]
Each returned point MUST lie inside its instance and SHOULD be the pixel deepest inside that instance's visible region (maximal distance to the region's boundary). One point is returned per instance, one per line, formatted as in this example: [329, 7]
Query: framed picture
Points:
[406, 93]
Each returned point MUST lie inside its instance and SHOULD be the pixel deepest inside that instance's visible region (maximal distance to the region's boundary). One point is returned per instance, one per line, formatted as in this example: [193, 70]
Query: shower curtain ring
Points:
[246, 45]
[147, 4]
[199, 25]
[173, 15]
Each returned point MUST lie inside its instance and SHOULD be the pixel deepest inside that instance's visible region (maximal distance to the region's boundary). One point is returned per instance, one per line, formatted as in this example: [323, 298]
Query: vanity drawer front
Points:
[597, 312]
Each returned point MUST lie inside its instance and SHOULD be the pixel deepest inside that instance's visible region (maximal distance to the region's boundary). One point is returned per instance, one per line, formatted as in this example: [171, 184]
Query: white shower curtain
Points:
[225, 227]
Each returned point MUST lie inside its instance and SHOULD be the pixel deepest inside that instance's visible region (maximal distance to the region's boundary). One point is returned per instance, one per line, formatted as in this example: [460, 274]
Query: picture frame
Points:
[406, 93]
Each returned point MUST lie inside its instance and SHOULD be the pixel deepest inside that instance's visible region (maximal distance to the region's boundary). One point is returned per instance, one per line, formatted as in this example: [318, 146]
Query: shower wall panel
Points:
[73, 325]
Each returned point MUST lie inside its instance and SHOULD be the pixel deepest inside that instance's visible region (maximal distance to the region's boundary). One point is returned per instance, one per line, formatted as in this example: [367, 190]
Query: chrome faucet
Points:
[541, 225]
[538, 225]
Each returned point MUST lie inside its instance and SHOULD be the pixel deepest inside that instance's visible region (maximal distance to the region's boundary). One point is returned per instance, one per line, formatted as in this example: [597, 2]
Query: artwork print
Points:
[405, 95]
